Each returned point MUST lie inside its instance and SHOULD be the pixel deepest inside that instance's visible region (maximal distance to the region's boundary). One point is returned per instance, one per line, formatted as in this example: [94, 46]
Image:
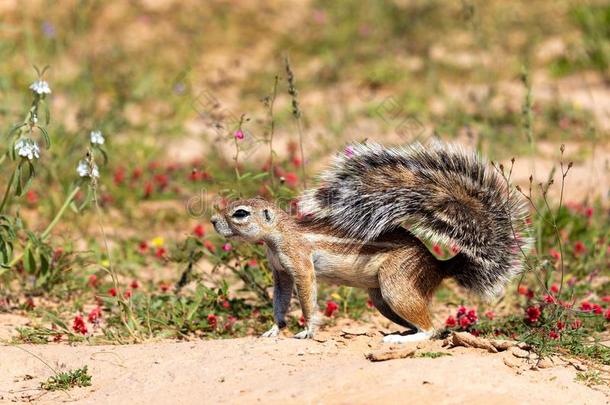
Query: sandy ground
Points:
[332, 369]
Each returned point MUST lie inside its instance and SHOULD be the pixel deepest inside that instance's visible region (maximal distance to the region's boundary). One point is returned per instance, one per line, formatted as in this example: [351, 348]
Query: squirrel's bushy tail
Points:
[440, 192]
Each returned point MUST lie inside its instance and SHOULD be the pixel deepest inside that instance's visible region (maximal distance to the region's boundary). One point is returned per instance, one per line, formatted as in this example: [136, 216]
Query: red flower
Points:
[209, 246]
[555, 254]
[523, 290]
[291, 179]
[455, 249]
[579, 248]
[533, 314]
[296, 161]
[561, 325]
[134, 284]
[79, 325]
[437, 250]
[29, 303]
[461, 311]
[472, 315]
[119, 176]
[92, 282]
[369, 303]
[464, 322]
[589, 212]
[331, 307]
[212, 320]
[128, 294]
[605, 298]
[230, 322]
[226, 304]
[143, 247]
[95, 314]
[554, 288]
[577, 323]
[112, 292]
[450, 322]
[252, 263]
[490, 315]
[148, 189]
[554, 335]
[164, 287]
[162, 180]
[160, 252]
[31, 197]
[199, 231]
[597, 309]
[302, 321]
[136, 174]
[607, 314]
[549, 299]
[586, 306]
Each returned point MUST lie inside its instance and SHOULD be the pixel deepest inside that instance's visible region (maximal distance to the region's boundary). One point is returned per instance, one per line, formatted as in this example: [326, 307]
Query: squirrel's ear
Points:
[268, 215]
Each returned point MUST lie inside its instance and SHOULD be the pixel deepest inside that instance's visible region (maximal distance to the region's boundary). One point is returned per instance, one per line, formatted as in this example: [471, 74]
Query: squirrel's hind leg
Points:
[407, 282]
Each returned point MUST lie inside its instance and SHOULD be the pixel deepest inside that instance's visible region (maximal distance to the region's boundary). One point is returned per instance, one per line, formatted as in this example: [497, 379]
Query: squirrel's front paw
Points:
[307, 333]
[273, 332]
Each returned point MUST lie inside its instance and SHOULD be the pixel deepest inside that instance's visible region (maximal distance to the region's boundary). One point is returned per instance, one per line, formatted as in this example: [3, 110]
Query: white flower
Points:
[84, 170]
[97, 137]
[40, 87]
[27, 148]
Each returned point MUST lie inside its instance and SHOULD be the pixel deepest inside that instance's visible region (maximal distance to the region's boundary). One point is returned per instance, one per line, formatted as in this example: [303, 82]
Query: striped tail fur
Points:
[441, 192]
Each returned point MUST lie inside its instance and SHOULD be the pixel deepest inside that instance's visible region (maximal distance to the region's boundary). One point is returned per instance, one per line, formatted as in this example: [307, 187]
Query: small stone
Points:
[517, 352]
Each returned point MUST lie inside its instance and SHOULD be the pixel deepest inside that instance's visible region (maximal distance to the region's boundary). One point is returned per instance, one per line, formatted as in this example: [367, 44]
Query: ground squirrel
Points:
[355, 229]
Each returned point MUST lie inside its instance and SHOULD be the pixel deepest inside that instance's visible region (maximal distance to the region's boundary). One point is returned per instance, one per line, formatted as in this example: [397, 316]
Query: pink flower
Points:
[450, 322]
[605, 298]
[227, 247]
[589, 212]
[490, 315]
[331, 307]
[239, 135]
[554, 288]
[128, 294]
[79, 325]
[291, 179]
[576, 324]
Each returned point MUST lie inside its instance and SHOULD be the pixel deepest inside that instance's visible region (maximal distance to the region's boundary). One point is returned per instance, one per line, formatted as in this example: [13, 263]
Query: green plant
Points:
[66, 380]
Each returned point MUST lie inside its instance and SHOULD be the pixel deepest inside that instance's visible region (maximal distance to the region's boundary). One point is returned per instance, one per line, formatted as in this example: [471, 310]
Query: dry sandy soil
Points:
[331, 369]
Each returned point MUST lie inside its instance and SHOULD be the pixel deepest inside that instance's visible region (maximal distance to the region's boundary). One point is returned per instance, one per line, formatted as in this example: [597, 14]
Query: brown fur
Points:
[398, 270]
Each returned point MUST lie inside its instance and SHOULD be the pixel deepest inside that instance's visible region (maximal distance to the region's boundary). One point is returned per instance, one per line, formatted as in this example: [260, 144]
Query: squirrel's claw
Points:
[306, 333]
[273, 332]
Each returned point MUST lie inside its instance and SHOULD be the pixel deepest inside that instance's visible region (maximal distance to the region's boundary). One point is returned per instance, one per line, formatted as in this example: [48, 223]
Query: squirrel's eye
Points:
[240, 214]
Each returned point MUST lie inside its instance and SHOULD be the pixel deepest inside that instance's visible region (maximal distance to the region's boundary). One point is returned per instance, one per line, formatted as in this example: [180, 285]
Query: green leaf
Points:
[45, 135]
[29, 262]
